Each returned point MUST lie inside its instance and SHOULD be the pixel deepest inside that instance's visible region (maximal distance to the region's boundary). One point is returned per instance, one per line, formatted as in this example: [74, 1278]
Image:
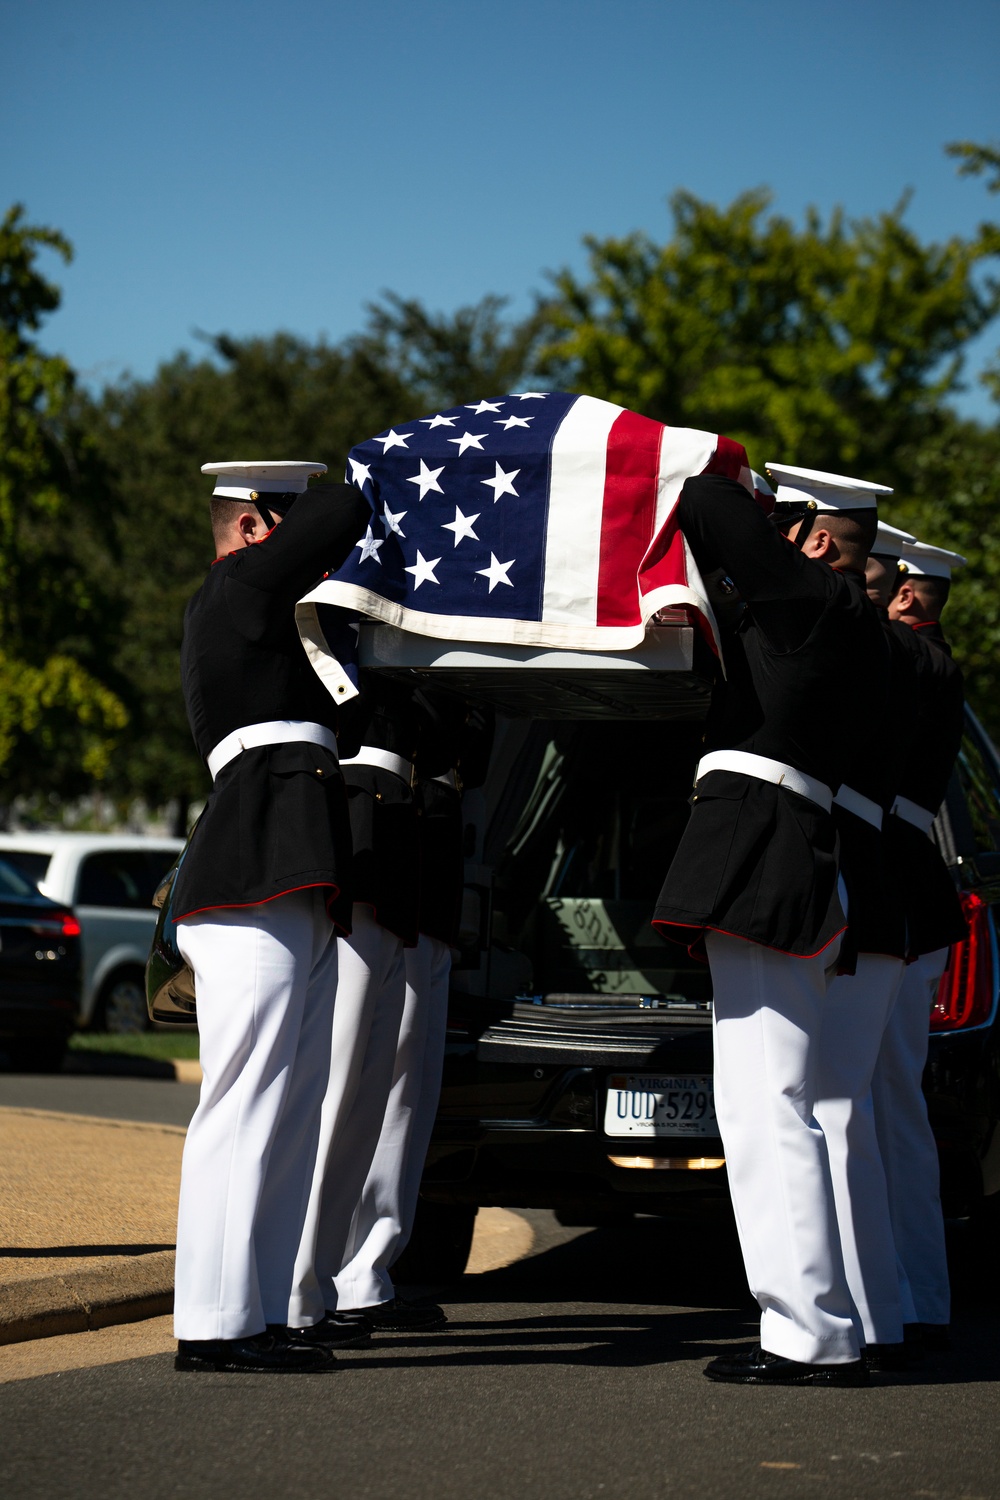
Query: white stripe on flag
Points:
[576, 507]
[683, 452]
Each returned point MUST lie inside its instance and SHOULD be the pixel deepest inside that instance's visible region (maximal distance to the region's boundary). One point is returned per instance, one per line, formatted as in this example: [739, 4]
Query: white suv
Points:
[109, 880]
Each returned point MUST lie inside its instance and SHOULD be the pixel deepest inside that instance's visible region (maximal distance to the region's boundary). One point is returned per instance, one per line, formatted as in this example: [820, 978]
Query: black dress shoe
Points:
[262, 1354]
[932, 1338]
[398, 1316]
[334, 1331]
[759, 1367]
[885, 1357]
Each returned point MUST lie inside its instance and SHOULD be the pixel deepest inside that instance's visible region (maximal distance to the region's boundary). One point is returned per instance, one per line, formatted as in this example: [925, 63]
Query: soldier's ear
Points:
[819, 542]
[248, 524]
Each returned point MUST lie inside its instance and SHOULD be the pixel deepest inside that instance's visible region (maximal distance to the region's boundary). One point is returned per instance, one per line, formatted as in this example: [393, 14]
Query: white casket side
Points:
[668, 676]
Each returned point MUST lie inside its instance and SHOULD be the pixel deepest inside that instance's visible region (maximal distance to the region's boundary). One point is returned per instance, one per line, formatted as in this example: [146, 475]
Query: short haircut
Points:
[932, 592]
[854, 528]
[226, 512]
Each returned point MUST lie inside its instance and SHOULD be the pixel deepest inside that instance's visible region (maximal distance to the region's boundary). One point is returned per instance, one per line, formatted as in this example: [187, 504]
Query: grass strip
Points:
[161, 1046]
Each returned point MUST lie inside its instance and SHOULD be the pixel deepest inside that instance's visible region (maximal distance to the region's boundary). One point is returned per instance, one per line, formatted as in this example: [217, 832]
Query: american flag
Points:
[537, 518]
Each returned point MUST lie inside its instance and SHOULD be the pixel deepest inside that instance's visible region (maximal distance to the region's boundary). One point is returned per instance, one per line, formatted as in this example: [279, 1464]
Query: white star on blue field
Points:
[486, 490]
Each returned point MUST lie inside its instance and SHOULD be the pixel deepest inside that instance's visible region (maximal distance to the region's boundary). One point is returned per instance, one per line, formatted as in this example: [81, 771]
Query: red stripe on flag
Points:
[666, 564]
[728, 459]
[629, 515]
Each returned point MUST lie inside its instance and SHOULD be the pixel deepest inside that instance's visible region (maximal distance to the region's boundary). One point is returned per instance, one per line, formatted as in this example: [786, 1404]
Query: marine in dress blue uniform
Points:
[265, 880]
[383, 724]
[934, 921]
[452, 753]
[754, 884]
[860, 999]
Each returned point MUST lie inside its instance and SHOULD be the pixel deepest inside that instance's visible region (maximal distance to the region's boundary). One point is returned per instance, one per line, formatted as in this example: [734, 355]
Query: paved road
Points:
[574, 1374]
[155, 1101]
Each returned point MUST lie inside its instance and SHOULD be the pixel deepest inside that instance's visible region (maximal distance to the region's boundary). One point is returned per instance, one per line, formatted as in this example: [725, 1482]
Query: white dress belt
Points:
[912, 812]
[765, 769]
[861, 807]
[274, 732]
[371, 755]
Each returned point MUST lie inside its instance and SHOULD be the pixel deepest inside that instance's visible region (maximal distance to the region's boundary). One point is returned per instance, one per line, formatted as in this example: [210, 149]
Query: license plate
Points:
[653, 1104]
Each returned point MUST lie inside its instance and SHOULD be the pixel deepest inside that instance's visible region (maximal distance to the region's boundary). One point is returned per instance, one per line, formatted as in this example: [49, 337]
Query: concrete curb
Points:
[129, 1288]
[62, 1117]
[124, 1289]
[121, 1065]
[187, 1070]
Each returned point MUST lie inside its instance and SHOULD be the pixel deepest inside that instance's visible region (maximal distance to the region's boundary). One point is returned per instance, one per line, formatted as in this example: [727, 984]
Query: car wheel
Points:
[123, 1004]
[439, 1246]
[44, 1056]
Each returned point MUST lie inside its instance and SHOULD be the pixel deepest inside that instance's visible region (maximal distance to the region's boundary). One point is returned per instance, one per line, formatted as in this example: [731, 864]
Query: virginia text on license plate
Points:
[657, 1104]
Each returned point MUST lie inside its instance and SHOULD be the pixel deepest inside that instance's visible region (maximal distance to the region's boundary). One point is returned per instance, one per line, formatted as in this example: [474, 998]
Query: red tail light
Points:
[60, 924]
[965, 995]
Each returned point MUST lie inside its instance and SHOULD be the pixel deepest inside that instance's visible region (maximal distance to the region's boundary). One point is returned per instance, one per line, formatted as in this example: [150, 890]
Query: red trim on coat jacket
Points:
[315, 885]
[703, 927]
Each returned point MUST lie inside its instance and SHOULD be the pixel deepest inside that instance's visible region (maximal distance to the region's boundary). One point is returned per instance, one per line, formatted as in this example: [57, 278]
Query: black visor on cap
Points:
[278, 504]
[786, 513]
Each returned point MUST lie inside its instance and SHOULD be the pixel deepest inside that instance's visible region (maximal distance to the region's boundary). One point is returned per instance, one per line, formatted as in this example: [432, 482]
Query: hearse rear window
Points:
[600, 810]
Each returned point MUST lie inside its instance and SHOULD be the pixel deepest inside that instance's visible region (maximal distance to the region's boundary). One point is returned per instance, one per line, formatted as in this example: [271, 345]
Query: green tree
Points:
[59, 713]
[446, 359]
[953, 500]
[983, 161]
[832, 346]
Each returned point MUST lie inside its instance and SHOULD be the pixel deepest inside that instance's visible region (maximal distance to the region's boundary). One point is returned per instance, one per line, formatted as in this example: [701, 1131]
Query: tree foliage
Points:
[443, 360]
[59, 715]
[953, 500]
[830, 346]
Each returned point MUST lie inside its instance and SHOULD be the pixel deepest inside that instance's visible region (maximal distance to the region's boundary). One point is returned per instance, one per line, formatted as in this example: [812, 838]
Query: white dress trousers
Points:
[371, 989]
[266, 978]
[383, 1220]
[768, 1013]
[855, 1016]
[909, 1151]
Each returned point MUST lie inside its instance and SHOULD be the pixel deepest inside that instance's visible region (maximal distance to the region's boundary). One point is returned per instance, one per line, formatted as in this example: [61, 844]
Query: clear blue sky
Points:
[249, 165]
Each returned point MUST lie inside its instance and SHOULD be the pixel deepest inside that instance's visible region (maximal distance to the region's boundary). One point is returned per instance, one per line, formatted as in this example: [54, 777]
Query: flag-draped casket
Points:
[532, 532]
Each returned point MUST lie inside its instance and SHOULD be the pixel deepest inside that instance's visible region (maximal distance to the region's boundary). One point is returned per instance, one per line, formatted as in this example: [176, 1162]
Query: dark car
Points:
[40, 974]
[578, 1073]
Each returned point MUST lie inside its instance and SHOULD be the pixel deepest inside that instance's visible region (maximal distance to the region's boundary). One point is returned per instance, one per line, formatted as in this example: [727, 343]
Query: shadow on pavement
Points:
[118, 1065]
[66, 1252]
[625, 1339]
[682, 1294]
[652, 1261]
